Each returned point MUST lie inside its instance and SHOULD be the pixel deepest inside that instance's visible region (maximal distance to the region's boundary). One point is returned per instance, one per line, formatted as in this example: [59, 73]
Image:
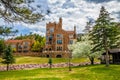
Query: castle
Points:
[57, 40]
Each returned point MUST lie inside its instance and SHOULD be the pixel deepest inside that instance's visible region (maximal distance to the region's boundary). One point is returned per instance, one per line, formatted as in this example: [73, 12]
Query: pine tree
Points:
[2, 46]
[105, 33]
[19, 10]
[88, 27]
[8, 56]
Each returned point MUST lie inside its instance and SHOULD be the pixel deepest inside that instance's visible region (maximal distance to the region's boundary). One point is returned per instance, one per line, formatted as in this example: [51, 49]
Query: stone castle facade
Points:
[57, 39]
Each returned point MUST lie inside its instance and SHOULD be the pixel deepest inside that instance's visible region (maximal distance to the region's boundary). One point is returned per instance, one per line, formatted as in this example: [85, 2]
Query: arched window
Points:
[58, 56]
[47, 56]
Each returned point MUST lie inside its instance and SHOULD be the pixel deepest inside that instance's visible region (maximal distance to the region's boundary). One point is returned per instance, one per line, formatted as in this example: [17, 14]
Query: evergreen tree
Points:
[50, 62]
[7, 31]
[87, 27]
[105, 33]
[2, 46]
[8, 56]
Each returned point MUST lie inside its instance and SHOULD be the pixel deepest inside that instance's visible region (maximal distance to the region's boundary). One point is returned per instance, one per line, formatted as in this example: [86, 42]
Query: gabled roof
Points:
[112, 51]
[13, 41]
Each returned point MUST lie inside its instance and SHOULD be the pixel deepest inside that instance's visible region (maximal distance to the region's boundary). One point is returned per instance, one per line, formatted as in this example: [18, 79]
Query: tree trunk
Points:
[50, 66]
[106, 49]
[92, 60]
[107, 58]
[7, 67]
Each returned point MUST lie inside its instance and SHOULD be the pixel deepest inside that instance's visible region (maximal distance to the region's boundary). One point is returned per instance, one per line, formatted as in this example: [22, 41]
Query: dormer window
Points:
[70, 36]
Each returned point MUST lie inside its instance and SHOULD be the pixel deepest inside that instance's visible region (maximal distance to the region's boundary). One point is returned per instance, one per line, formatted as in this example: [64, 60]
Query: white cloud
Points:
[73, 12]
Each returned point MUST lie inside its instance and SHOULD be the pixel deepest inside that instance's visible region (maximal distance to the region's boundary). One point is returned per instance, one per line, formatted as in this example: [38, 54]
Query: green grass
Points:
[96, 72]
[38, 60]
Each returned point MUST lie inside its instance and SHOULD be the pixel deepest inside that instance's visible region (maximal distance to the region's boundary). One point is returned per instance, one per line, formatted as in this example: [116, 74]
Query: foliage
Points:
[50, 62]
[8, 56]
[14, 49]
[105, 33]
[19, 10]
[83, 49]
[7, 31]
[2, 46]
[88, 27]
[36, 46]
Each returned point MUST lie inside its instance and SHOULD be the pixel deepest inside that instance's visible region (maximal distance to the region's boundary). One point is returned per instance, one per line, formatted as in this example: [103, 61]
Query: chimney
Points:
[60, 20]
[74, 31]
[60, 23]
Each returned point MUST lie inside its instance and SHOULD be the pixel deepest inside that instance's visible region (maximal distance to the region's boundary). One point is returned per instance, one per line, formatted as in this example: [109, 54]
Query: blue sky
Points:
[73, 12]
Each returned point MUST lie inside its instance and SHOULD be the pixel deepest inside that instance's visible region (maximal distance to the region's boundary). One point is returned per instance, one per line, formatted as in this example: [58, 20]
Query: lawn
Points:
[96, 72]
[39, 60]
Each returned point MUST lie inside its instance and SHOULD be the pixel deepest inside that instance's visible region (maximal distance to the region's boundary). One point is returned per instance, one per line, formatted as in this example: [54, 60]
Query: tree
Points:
[88, 27]
[50, 62]
[19, 10]
[36, 46]
[2, 46]
[8, 56]
[83, 48]
[104, 33]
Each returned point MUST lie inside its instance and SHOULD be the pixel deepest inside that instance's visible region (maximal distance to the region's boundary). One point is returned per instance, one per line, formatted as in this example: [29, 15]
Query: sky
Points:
[73, 12]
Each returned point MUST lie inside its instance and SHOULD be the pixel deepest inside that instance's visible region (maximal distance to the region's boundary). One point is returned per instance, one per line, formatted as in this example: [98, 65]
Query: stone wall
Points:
[47, 54]
[28, 54]
[31, 66]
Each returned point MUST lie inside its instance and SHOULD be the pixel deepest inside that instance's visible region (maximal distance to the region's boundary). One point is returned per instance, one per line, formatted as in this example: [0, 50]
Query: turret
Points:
[74, 31]
[60, 23]
[60, 20]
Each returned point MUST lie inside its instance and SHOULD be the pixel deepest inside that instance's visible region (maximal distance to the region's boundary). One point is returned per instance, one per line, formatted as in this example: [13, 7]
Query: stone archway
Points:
[47, 56]
[59, 56]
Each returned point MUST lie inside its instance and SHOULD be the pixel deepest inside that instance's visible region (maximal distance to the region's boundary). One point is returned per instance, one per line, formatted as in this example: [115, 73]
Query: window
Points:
[25, 47]
[51, 30]
[71, 42]
[47, 42]
[19, 47]
[46, 38]
[59, 41]
[26, 43]
[59, 35]
[70, 36]
[47, 30]
[13, 46]
[50, 37]
[59, 48]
